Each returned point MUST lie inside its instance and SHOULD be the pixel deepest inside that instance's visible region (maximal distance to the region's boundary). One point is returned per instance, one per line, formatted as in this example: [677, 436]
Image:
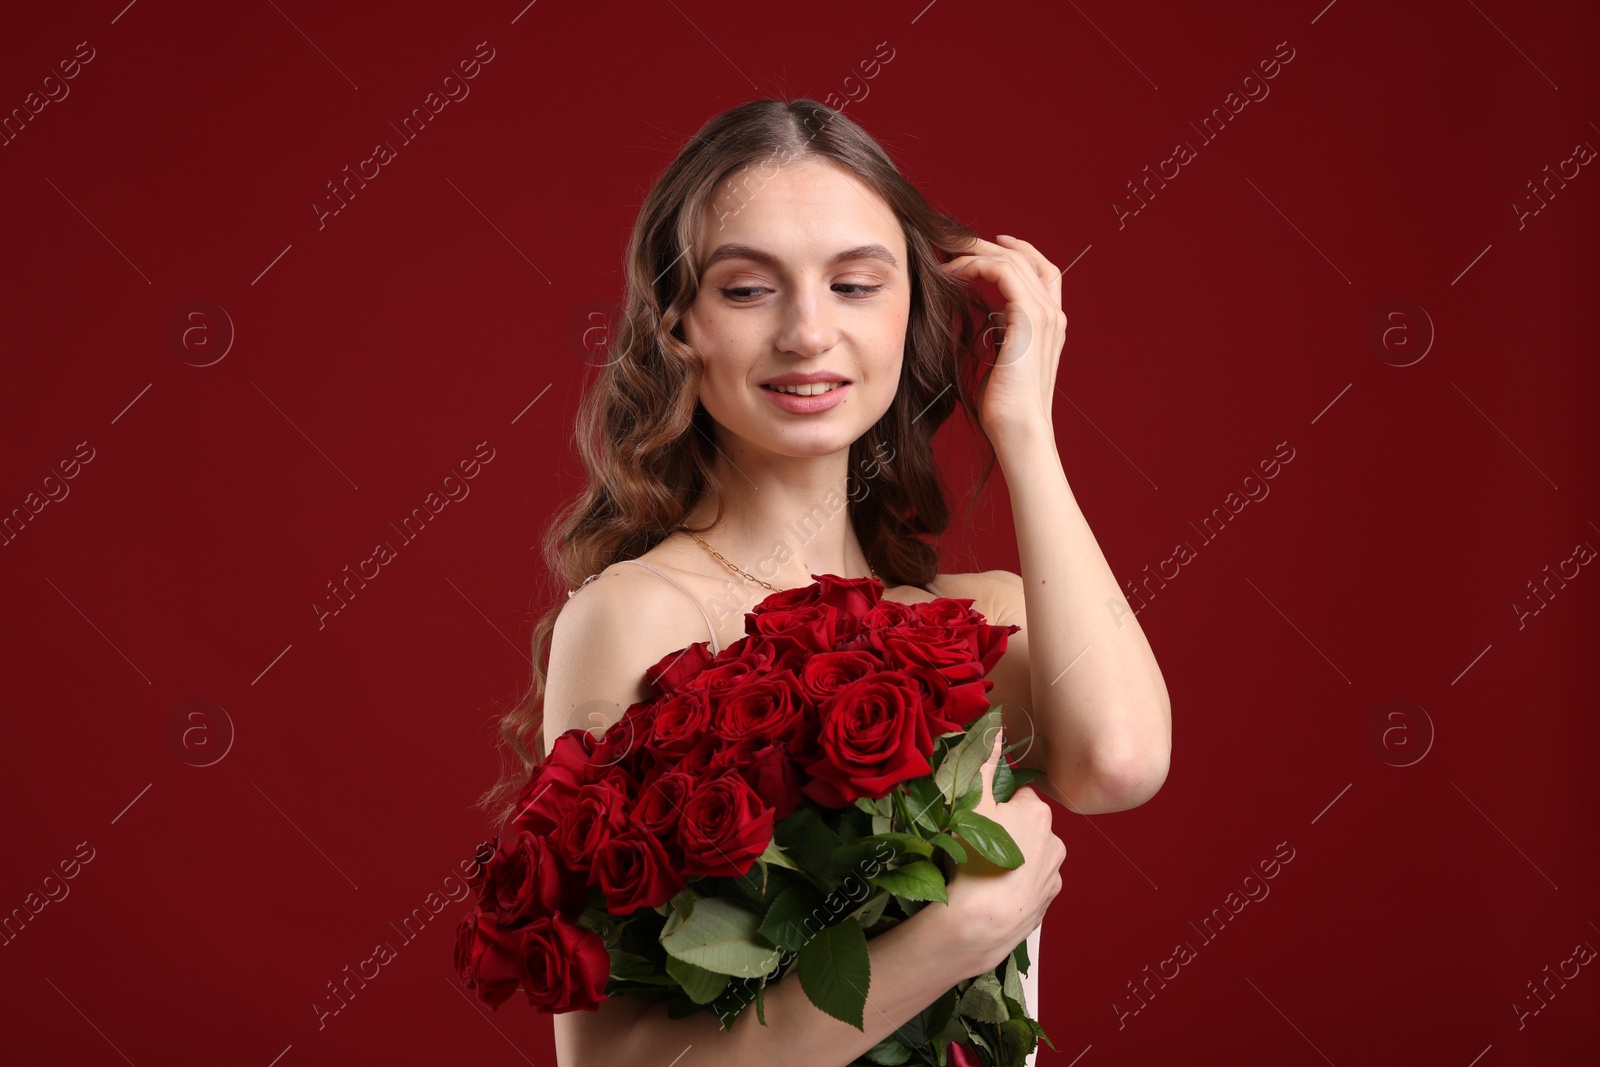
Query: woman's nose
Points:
[809, 327]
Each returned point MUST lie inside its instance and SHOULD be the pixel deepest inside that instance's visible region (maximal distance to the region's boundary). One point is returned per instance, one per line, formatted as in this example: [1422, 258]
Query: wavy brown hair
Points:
[645, 441]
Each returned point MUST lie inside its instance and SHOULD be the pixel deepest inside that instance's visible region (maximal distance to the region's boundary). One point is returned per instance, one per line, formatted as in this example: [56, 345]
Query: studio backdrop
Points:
[299, 301]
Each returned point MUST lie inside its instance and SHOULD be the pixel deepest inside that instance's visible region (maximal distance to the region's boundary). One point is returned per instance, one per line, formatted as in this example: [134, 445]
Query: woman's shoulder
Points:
[607, 634]
[994, 594]
[656, 599]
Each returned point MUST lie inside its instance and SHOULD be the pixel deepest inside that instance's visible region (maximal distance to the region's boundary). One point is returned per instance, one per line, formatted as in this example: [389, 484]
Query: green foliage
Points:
[993, 841]
[700, 985]
[1008, 779]
[919, 880]
[984, 1001]
[811, 844]
[721, 936]
[721, 941]
[891, 1052]
[835, 970]
[962, 763]
[784, 921]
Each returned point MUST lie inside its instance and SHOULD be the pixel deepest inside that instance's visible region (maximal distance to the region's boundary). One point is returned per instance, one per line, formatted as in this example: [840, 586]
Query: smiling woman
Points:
[775, 339]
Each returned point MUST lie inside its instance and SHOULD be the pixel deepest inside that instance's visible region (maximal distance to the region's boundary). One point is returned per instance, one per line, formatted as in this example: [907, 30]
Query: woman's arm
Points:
[990, 912]
[1095, 693]
[912, 966]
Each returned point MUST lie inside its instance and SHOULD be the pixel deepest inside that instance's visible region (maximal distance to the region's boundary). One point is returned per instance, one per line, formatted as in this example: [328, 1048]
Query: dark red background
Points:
[1231, 314]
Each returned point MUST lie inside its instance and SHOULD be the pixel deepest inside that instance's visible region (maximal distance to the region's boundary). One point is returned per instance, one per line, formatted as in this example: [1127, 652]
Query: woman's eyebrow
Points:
[739, 251]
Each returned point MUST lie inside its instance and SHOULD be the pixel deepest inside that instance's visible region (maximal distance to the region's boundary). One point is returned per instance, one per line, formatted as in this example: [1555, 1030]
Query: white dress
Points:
[1030, 981]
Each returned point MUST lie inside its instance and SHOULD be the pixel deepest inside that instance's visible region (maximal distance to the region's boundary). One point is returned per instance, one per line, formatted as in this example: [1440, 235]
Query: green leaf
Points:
[1011, 985]
[874, 805]
[720, 936]
[631, 967]
[1020, 954]
[891, 1052]
[1016, 1041]
[951, 847]
[784, 924]
[701, 985]
[810, 844]
[920, 1028]
[991, 839]
[984, 1001]
[969, 800]
[877, 851]
[1016, 778]
[923, 804]
[920, 880]
[778, 857]
[954, 1030]
[835, 971]
[871, 910]
[967, 758]
[1005, 781]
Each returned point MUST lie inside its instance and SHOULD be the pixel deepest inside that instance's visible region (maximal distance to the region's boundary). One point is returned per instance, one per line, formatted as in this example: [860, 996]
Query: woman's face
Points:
[801, 273]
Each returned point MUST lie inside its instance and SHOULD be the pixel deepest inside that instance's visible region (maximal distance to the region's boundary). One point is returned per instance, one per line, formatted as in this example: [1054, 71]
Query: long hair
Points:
[645, 441]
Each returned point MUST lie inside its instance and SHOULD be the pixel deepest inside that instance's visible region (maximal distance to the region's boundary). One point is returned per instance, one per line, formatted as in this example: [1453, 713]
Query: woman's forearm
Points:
[911, 968]
[1106, 722]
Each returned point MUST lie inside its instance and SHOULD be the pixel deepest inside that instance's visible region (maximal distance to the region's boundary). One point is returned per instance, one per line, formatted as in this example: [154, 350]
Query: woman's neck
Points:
[785, 522]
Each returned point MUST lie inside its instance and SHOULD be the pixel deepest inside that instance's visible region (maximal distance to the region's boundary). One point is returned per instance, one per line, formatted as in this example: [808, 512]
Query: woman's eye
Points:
[746, 293]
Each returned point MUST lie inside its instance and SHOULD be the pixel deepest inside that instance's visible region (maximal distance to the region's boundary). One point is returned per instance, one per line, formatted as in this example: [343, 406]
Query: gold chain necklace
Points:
[732, 566]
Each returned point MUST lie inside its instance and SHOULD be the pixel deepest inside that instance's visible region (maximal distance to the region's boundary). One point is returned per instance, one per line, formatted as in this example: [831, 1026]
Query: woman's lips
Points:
[807, 405]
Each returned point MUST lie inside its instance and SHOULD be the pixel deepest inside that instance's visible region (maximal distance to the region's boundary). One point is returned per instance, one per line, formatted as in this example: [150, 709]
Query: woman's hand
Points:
[993, 909]
[1018, 394]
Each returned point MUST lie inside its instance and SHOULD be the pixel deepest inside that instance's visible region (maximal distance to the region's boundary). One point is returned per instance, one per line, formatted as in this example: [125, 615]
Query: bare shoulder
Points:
[606, 635]
[998, 595]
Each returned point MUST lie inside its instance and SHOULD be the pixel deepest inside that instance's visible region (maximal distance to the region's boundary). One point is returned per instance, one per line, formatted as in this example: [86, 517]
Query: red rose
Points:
[914, 645]
[481, 857]
[525, 879]
[486, 957]
[886, 614]
[553, 784]
[987, 642]
[768, 769]
[681, 719]
[634, 871]
[961, 1054]
[766, 708]
[851, 596]
[950, 707]
[725, 827]
[802, 631]
[698, 759]
[671, 671]
[598, 813]
[736, 664]
[782, 600]
[563, 966]
[622, 745]
[824, 673]
[659, 807]
[875, 734]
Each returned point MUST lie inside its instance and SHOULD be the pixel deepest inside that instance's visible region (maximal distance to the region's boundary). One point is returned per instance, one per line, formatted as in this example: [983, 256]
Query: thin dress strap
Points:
[930, 588]
[691, 596]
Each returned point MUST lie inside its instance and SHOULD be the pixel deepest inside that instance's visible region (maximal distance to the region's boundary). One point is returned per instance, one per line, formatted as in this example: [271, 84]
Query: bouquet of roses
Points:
[767, 810]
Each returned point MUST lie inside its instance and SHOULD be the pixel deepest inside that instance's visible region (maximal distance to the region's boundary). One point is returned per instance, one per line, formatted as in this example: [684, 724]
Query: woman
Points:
[791, 340]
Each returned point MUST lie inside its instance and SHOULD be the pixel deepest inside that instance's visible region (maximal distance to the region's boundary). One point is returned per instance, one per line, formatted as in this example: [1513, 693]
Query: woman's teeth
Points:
[812, 389]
